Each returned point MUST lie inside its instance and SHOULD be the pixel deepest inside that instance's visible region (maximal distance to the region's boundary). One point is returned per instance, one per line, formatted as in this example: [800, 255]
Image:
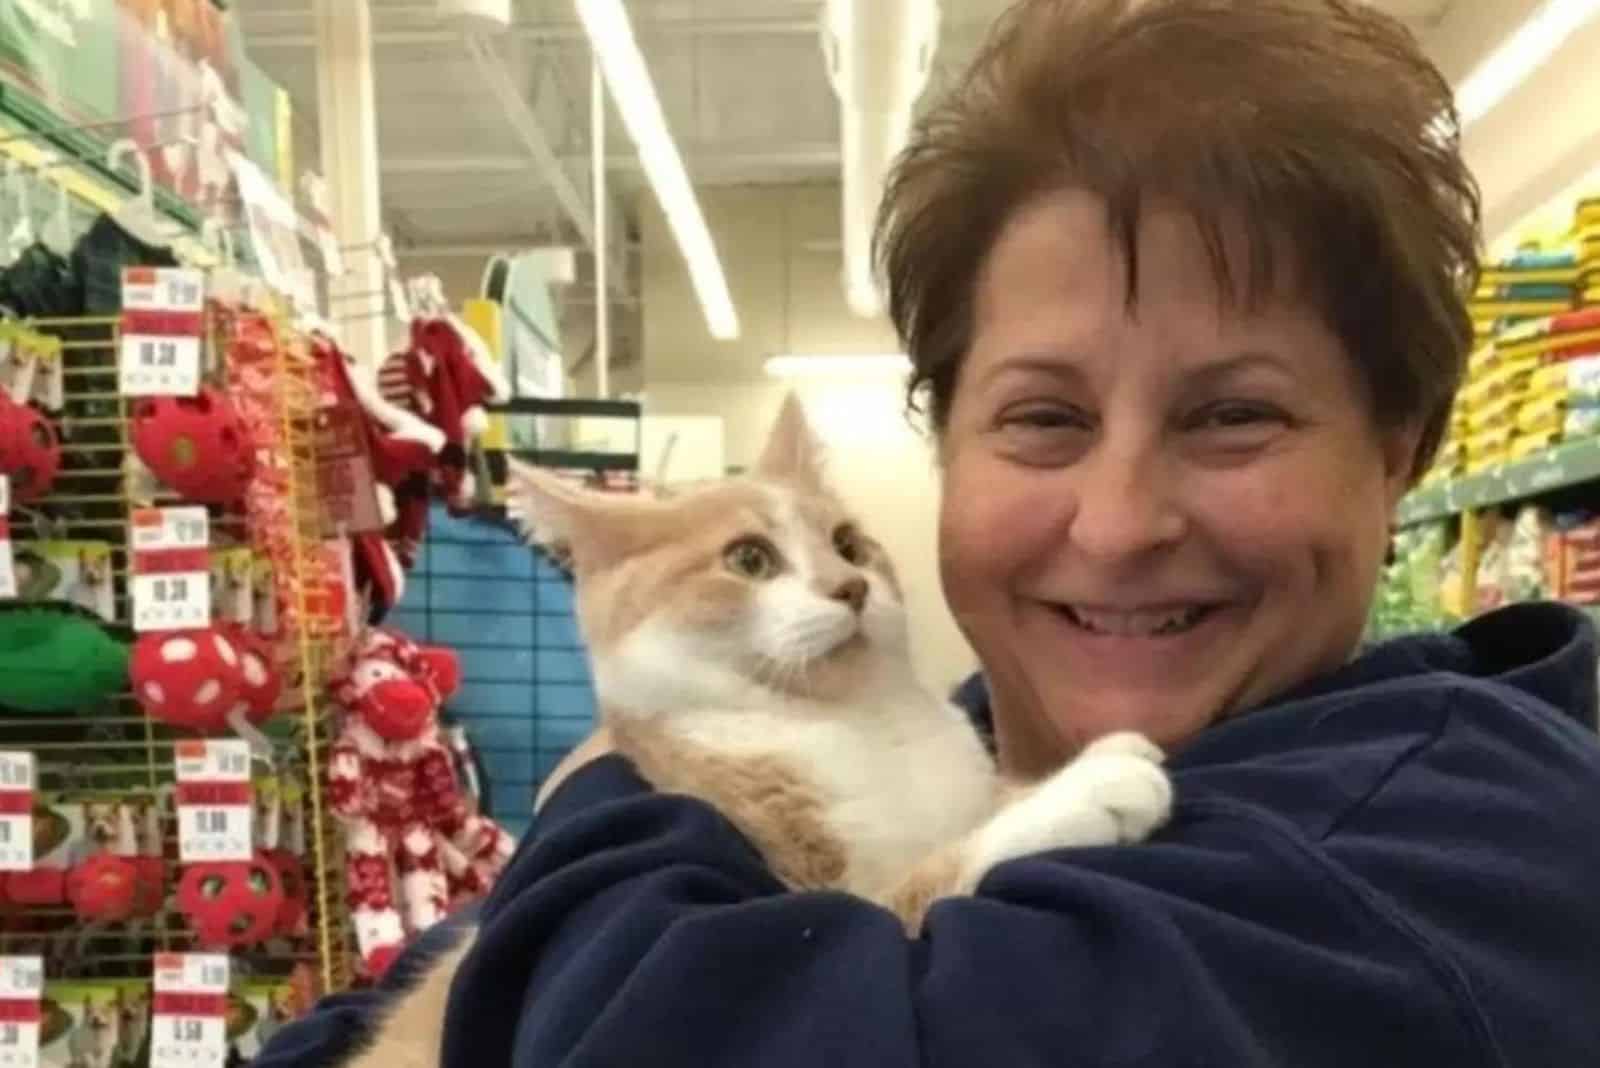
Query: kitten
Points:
[748, 643]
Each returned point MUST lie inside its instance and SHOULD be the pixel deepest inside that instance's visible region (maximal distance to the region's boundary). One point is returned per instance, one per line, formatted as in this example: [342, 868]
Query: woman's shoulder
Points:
[1500, 712]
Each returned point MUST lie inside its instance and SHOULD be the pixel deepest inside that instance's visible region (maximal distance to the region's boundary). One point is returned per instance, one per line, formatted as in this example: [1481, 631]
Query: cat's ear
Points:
[571, 522]
[793, 451]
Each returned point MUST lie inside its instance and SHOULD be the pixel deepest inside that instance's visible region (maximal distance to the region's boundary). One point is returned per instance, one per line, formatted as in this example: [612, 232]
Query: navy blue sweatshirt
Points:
[1398, 865]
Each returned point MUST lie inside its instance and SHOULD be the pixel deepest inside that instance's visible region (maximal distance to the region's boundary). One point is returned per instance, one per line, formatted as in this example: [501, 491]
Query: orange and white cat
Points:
[749, 647]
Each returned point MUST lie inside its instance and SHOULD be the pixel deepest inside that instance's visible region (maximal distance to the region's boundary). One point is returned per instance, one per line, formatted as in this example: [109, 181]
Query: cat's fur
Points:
[788, 701]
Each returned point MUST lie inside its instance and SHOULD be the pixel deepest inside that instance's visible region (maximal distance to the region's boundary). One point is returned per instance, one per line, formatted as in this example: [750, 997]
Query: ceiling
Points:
[741, 81]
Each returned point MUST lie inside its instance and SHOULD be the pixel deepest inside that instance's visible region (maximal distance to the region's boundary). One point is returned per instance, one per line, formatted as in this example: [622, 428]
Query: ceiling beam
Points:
[276, 30]
[706, 159]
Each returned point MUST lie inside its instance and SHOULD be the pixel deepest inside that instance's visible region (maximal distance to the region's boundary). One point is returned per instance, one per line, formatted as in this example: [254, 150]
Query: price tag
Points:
[162, 326]
[21, 988]
[216, 812]
[190, 1011]
[171, 570]
[8, 566]
[17, 784]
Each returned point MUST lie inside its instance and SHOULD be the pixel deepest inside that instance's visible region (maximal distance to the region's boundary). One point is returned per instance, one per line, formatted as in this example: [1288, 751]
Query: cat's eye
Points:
[849, 544]
[753, 558]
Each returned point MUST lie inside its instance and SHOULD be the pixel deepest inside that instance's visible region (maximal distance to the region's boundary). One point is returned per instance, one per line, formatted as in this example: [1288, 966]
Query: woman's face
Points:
[1153, 513]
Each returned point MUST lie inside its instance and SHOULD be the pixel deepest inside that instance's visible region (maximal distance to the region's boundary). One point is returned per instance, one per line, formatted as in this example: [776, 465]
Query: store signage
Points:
[170, 569]
[274, 235]
[215, 809]
[162, 332]
[18, 780]
[21, 992]
[189, 1028]
[319, 219]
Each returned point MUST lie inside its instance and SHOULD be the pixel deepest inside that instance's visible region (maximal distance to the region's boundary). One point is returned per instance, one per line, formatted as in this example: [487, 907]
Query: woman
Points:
[1183, 281]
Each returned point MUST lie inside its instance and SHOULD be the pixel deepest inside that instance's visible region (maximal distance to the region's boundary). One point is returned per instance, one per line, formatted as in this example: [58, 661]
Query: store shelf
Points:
[1564, 465]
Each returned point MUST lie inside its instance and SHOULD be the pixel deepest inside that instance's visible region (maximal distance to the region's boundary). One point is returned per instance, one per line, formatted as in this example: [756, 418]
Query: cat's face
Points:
[763, 583]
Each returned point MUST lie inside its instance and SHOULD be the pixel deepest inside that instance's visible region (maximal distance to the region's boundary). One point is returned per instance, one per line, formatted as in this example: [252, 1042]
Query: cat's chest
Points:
[894, 783]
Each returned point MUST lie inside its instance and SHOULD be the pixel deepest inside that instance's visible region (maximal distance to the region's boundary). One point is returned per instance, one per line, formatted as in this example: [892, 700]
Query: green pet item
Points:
[57, 659]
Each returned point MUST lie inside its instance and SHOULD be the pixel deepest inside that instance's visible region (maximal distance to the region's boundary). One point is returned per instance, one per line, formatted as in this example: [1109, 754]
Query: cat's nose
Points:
[853, 592]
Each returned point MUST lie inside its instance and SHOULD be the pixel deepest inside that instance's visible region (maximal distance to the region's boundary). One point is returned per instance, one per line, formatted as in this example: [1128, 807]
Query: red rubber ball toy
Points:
[30, 450]
[105, 887]
[196, 445]
[232, 903]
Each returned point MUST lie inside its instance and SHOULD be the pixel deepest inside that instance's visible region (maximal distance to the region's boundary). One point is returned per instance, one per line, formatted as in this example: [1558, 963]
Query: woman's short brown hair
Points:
[1315, 127]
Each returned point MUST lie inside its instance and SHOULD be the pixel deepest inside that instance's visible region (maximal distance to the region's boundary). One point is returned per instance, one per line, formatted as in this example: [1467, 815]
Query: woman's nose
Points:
[1126, 506]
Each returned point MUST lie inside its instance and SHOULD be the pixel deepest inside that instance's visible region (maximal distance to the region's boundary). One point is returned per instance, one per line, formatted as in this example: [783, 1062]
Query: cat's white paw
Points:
[1115, 792]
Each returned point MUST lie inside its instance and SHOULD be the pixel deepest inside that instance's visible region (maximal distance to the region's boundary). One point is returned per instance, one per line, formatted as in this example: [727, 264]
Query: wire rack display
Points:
[111, 753]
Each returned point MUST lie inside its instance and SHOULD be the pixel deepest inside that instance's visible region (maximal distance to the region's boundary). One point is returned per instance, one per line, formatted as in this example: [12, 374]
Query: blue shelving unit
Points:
[526, 696]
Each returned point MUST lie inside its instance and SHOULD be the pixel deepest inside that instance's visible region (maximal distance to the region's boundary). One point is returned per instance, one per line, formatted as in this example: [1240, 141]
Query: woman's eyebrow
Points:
[1220, 370]
[1057, 365]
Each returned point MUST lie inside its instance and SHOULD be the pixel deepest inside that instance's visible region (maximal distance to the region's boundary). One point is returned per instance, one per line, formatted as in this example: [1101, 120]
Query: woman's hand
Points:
[597, 745]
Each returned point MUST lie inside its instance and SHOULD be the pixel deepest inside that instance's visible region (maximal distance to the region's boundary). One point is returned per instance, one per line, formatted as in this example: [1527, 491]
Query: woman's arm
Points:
[339, 1025]
[638, 928]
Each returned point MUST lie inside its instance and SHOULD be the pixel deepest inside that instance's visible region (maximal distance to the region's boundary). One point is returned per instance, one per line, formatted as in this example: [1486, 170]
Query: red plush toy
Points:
[415, 843]
[30, 450]
[232, 903]
[104, 888]
[196, 445]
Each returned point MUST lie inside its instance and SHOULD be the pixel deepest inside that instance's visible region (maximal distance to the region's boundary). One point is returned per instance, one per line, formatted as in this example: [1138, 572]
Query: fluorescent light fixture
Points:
[611, 36]
[843, 365]
[1520, 54]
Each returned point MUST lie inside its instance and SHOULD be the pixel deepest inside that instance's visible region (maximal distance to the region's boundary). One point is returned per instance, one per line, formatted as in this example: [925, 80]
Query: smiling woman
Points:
[1182, 283]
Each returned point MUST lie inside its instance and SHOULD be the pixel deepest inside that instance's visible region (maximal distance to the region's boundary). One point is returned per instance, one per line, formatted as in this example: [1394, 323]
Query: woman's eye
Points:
[1046, 418]
[1236, 417]
[847, 543]
[752, 558]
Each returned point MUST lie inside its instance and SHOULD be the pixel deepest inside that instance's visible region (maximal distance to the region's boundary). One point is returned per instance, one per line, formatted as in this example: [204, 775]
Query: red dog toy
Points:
[197, 445]
[232, 903]
[191, 679]
[30, 450]
[105, 887]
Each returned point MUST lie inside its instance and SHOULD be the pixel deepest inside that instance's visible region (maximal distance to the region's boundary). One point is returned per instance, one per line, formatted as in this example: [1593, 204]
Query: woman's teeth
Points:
[1136, 624]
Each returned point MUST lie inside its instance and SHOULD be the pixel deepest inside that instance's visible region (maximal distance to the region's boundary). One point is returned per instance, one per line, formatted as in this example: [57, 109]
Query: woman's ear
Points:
[793, 452]
[1400, 445]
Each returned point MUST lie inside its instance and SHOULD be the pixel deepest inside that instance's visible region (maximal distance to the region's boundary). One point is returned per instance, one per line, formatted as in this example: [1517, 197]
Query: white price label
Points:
[180, 289]
[216, 815]
[179, 601]
[171, 582]
[189, 1029]
[8, 566]
[17, 784]
[21, 988]
[8, 563]
[150, 366]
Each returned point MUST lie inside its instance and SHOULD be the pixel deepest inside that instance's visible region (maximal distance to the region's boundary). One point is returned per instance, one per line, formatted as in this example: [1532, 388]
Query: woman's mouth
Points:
[1162, 622]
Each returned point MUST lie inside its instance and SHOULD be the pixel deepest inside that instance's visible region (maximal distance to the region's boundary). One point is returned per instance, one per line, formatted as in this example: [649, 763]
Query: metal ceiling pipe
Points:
[878, 55]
